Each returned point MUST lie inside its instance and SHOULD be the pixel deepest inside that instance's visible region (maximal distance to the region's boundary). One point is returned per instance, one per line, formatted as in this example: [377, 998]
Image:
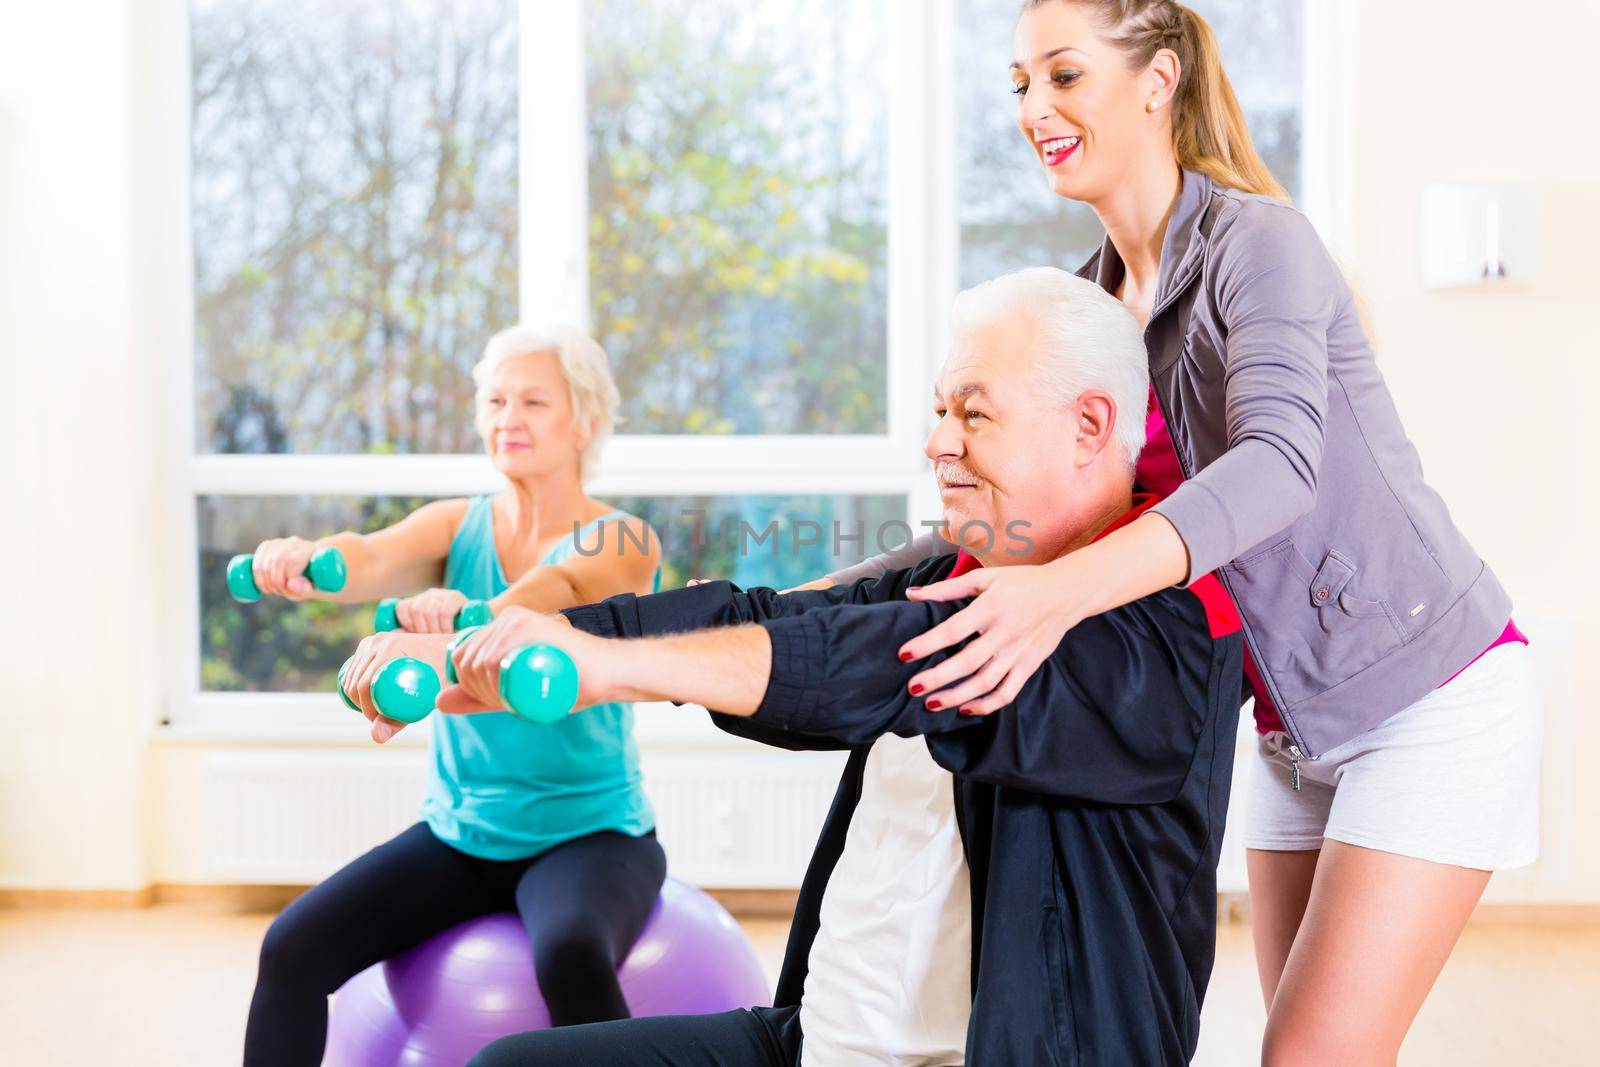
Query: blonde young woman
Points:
[550, 821]
[1397, 708]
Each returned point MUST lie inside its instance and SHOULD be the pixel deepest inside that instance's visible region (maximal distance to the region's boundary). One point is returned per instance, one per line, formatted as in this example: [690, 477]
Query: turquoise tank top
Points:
[502, 788]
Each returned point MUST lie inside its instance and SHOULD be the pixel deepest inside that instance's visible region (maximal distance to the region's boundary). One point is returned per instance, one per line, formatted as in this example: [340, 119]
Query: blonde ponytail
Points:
[1208, 127]
[1209, 133]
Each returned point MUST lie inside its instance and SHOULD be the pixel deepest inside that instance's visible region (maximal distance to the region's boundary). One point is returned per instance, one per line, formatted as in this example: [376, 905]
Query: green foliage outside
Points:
[354, 212]
[737, 255]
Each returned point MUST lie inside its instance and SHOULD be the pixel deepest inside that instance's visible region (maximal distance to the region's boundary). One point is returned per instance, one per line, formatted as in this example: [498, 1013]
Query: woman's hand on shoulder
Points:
[1020, 614]
[1017, 618]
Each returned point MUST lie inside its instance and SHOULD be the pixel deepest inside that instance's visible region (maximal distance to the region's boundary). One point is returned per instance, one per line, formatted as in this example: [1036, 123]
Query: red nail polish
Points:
[905, 657]
[917, 689]
[934, 705]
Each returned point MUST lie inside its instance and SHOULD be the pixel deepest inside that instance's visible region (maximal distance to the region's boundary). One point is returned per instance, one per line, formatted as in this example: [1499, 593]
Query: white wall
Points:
[1490, 386]
[1494, 388]
[79, 460]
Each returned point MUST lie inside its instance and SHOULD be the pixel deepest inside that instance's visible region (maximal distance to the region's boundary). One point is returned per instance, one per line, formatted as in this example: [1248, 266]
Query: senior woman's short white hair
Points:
[583, 364]
[1086, 339]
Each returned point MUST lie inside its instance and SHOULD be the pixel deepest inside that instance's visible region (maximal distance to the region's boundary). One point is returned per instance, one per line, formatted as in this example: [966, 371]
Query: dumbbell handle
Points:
[326, 570]
[475, 613]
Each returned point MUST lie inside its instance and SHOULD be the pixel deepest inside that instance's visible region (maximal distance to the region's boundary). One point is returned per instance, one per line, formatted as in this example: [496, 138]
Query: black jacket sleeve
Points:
[1114, 715]
[712, 604]
[725, 604]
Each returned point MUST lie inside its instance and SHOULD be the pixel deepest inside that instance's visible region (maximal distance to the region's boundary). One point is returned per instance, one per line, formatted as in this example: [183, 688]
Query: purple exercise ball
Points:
[438, 1004]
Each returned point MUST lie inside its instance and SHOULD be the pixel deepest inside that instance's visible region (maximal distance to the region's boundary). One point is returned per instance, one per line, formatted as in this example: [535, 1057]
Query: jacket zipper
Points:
[1296, 753]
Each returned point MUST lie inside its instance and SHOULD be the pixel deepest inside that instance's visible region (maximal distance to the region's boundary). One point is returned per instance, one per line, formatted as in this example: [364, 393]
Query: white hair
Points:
[1085, 339]
[583, 364]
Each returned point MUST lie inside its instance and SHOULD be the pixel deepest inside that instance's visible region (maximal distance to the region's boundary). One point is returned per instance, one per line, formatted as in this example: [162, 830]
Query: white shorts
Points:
[1454, 778]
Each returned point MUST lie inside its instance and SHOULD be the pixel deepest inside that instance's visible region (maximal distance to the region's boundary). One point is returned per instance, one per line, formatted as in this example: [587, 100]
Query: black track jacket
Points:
[1091, 808]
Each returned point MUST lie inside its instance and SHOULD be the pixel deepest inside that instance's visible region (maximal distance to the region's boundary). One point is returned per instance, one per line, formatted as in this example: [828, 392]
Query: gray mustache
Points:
[949, 473]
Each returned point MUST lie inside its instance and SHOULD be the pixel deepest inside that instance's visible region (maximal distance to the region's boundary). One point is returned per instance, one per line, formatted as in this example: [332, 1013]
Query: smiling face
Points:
[526, 420]
[1005, 451]
[1080, 106]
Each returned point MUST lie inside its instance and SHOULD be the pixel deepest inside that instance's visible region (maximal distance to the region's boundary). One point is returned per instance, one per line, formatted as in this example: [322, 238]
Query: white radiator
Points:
[742, 818]
[731, 814]
[294, 816]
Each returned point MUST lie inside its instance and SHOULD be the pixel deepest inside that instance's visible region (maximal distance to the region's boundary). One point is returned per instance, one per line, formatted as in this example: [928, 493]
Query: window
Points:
[738, 240]
[760, 209]
[354, 199]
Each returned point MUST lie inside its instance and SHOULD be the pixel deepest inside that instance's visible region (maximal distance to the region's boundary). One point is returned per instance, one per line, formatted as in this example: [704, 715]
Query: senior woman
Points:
[551, 821]
[1397, 708]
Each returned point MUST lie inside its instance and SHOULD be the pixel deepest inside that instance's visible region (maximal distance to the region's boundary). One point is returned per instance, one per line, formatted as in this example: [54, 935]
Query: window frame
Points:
[923, 253]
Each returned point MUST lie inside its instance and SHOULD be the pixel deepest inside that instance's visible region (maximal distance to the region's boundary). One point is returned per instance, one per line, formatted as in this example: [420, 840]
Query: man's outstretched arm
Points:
[716, 605]
[1114, 715]
[728, 669]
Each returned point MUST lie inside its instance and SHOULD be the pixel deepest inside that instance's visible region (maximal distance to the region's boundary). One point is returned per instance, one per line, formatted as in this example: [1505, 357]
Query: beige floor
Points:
[169, 985]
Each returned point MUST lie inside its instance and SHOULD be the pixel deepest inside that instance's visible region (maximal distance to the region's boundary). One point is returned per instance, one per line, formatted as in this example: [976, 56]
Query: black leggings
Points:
[761, 1037]
[583, 902]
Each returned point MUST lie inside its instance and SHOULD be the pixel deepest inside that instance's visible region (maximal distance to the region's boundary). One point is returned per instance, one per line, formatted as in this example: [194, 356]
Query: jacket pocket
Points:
[1311, 631]
[1054, 952]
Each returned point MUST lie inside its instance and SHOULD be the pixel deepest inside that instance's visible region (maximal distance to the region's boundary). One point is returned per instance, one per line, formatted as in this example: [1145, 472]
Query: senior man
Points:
[1032, 887]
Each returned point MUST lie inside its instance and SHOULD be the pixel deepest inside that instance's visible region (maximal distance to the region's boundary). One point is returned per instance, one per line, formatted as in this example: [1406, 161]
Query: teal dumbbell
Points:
[406, 689]
[475, 613]
[538, 682]
[326, 571]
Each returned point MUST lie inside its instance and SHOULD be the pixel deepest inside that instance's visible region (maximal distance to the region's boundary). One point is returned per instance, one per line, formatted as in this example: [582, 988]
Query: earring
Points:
[1150, 106]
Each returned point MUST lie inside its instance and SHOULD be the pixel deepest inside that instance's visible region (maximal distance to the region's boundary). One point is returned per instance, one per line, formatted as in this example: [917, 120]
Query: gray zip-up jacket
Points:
[1302, 491]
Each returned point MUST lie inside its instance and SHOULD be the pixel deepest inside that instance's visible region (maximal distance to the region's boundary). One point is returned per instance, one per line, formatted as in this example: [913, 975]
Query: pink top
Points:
[1158, 472]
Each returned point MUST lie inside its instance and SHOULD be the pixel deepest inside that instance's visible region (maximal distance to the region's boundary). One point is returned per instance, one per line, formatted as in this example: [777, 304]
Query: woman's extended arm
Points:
[1278, 293]
[393, 561]
[623, 559]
